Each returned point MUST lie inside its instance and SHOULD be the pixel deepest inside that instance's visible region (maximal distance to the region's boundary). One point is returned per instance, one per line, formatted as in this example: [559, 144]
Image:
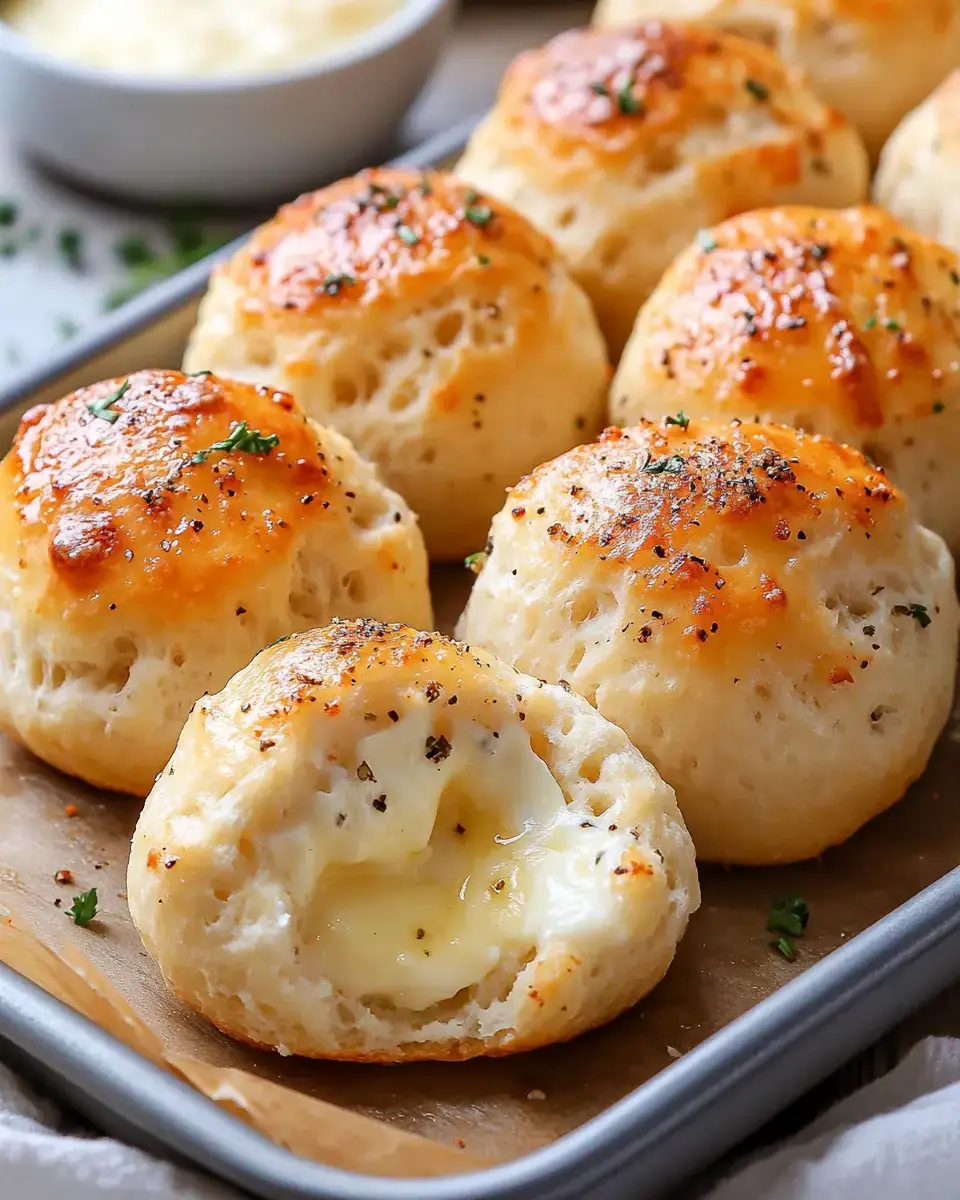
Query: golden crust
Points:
[385, 233]
[669, 502]
[610, 98]
[873, 60]
[774, 311]
[129, 513]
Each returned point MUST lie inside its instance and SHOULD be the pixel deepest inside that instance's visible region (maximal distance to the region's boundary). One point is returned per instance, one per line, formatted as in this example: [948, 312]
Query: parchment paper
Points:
[505, 1107]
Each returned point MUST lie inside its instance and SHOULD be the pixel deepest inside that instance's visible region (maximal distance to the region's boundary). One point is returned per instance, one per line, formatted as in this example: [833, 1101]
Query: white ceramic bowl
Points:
[231, 139]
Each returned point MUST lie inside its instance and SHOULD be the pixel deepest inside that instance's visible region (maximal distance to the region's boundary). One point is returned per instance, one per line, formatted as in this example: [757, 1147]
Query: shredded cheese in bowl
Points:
[194, 38]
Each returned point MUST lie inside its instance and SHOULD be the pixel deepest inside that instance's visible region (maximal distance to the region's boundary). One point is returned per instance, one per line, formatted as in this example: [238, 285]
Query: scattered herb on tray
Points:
[84, 907]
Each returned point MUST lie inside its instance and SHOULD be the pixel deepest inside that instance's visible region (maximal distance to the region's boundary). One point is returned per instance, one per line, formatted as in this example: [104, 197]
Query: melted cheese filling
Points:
[184, 38]
[449, 867]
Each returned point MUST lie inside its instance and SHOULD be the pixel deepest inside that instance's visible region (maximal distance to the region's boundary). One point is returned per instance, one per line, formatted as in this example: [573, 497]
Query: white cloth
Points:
[45, 1156]
[897, 1139]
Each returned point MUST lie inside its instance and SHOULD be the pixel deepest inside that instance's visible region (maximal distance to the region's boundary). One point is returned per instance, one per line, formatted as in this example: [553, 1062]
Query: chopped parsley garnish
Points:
[133, 250]
[938, 406]
[333, 284]
[627, 102]
[471, 196]
[870, 322]
[249, 441]
[784, 946]
[892, 325]
[473, 562]
[8, 213]
[917, 611]
[84, 907]
[789, 915]
[483, 260]
[101, 408]
[706, 240]
[759, 91]
[599, 89]
[407, 235]
[680, 419]
[478, 214]
[672, 465]
[70, 246]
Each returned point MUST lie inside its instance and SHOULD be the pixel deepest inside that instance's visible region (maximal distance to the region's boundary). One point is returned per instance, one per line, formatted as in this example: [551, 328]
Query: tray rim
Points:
[766, 1057]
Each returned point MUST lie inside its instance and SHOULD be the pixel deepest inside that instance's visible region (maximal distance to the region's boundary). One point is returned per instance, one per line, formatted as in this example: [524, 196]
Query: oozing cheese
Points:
[183, 38]
[452, 866]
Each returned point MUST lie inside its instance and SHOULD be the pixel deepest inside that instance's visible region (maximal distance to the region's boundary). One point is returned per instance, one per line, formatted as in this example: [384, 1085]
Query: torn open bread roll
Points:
[381, 844]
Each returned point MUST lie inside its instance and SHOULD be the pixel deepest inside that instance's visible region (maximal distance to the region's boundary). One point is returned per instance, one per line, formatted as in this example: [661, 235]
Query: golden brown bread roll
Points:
[871, 59]
[844, 323]
[621, 144]
[379, 844]
[155, 532]
[918, 179]
[756, 608]
[438, 331]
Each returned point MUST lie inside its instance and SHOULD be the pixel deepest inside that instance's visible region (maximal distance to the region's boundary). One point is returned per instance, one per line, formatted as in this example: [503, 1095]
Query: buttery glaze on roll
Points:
[380, 844]
[843, 323]
[621, 144]
[871, 59]
[155, 532]
[918, 179]
[437, 330]
[755, 607]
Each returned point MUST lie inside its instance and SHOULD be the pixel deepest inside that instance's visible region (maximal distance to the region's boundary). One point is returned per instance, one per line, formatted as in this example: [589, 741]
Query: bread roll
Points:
[756, 608]
[621, 144]
[843, 323]
[379, 844]
[918, 179]
[155, 532]
[441, 333]
[871, 60]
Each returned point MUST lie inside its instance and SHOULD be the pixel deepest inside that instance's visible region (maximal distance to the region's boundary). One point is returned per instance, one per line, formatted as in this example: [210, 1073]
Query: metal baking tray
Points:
[682, 1118]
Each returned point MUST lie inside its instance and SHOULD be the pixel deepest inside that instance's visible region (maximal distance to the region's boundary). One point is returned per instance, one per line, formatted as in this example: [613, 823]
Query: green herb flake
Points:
[599, 89]
[66, 328]
[706, 241]
[680, 419]
[788, 915]
[198, 374]
[784, 946]
[471, 196]
[8, 213]
[407, 235]
[870, 322]
[674, 464]
[134, 250]
[478, 214]
[84, 907]
[473, 562]
[919, 613]
[102, 408]
[627, 102]
[759, 91]
[892, 325]
[483, 260]
[70, 248]
[334, 284]
[938, 406]
[242, 438]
